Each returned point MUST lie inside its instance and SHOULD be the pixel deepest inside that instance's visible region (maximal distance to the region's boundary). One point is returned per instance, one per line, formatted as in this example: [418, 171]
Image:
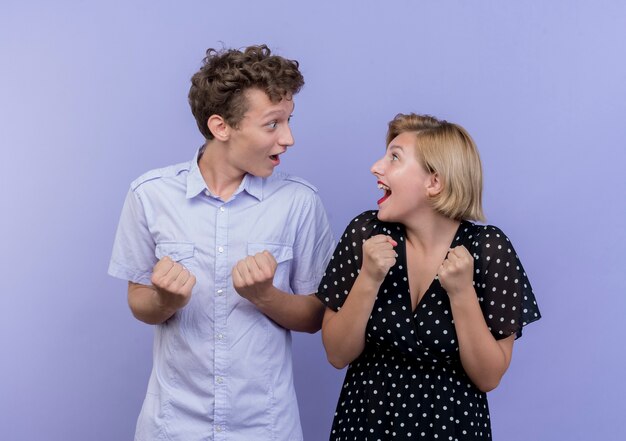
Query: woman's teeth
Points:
[387, 192]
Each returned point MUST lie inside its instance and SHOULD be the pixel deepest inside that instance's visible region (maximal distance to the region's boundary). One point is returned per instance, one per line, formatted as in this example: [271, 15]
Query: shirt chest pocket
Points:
[182, 252]
[283, 254]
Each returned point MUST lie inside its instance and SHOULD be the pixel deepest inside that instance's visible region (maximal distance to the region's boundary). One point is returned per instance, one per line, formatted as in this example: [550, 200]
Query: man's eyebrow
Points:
[273, 113]
[279, 112]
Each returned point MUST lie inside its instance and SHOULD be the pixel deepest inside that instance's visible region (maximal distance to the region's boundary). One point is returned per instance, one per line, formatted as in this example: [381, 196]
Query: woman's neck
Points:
[431, 232]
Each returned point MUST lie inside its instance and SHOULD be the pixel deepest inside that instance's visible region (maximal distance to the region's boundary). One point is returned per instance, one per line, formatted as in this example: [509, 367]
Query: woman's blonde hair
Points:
[448, 150]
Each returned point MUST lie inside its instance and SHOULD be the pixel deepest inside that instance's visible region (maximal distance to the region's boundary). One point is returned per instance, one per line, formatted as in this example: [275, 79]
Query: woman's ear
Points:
[218, 127]
[434, 186]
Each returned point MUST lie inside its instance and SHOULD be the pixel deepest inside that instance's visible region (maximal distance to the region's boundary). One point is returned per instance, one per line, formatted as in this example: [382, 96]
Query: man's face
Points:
[262, 135]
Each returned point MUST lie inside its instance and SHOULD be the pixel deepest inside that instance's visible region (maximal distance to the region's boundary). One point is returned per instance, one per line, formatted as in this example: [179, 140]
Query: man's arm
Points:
[302, 313]
[253, 279]
[171, 289]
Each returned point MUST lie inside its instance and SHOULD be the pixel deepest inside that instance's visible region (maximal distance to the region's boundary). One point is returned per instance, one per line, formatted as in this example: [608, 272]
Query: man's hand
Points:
[253, 276]
[173, 284]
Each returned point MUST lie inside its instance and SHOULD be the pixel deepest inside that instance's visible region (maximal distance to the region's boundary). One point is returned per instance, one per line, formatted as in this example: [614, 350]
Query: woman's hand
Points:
[456, 273]
[378, 256]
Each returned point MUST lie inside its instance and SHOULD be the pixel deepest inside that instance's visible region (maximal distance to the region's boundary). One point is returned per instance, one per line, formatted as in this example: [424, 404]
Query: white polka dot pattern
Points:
[409, 383]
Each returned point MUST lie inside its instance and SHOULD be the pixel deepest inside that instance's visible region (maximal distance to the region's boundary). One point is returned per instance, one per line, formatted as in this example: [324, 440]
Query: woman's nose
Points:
[376, 168]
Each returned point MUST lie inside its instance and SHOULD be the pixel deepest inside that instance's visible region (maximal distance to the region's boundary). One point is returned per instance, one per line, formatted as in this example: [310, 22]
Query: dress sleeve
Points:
[345, 264]
[504, 291]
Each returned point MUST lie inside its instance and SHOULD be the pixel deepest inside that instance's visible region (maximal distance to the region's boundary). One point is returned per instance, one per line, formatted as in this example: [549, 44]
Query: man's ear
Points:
[218, 127]
[434, 185]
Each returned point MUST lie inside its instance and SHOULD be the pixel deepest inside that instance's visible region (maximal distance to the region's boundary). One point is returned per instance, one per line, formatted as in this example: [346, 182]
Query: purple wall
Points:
[94, 93]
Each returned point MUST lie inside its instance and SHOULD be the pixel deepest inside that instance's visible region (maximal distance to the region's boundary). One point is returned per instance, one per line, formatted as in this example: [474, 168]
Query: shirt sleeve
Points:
[504, 291]
[312, 248]
[345, 264]
[133, 256]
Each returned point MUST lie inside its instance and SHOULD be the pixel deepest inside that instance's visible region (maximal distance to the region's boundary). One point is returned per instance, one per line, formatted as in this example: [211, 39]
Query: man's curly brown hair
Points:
[218, 87]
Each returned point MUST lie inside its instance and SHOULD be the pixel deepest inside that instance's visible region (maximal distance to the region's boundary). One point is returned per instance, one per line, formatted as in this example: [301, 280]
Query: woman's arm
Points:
[484, 358]
[343, 332]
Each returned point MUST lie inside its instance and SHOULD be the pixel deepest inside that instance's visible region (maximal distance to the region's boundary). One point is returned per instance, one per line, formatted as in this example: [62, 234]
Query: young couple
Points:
[225, 256]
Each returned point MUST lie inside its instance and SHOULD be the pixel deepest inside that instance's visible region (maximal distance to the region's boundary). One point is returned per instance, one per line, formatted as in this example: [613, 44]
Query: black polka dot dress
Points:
[408, 383]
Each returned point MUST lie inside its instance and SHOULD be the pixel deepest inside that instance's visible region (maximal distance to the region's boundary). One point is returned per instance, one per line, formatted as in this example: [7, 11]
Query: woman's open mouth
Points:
[387, 192]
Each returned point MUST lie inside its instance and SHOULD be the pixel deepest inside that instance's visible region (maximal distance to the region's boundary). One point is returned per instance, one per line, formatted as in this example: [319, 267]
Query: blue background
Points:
[92, 94]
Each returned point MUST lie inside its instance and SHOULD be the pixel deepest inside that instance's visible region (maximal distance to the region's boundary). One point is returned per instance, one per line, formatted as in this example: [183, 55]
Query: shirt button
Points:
[222, 209]
[219, 380]
[220, 336]
[220, 249]
[218, 429]
[219, 292]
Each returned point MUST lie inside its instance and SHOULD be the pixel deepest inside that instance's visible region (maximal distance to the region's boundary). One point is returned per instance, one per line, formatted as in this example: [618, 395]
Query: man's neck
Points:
[221, 177]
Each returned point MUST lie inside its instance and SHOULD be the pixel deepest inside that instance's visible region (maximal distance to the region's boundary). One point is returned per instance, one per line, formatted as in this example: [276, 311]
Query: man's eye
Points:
[273, 124]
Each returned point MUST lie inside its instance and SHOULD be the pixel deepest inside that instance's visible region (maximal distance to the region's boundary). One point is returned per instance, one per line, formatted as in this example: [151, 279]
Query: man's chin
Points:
[262, 173]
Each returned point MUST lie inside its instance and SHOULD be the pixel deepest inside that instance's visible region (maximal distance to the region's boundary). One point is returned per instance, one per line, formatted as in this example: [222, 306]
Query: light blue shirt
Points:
[221, 369]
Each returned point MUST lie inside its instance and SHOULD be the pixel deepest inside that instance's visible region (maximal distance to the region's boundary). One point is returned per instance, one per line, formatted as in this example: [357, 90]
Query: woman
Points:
[423, 304]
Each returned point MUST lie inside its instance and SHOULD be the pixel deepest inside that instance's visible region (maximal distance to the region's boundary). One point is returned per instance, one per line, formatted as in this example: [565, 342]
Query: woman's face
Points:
[403, 179]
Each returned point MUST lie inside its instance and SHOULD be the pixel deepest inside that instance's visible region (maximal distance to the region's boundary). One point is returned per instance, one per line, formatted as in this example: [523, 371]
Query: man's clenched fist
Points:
[254, 275]
[173, 283]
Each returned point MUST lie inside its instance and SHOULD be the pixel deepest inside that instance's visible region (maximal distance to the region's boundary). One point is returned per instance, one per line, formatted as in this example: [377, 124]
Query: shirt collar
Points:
[253, 185]
[195, 181]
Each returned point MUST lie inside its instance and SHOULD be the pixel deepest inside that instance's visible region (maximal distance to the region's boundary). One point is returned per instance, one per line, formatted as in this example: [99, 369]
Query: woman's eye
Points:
[394, 157]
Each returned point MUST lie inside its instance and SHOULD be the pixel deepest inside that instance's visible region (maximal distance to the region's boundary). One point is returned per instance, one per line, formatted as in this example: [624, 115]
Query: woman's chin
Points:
[382, 215]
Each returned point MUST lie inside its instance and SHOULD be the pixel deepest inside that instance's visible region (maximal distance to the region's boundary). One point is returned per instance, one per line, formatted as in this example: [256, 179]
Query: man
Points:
[214, 250]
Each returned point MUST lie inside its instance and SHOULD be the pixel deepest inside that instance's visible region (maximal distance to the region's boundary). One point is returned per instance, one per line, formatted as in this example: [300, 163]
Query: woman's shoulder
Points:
[362, 224]
[367, 217]
[484, 234]
[490, 242]
[367, 224]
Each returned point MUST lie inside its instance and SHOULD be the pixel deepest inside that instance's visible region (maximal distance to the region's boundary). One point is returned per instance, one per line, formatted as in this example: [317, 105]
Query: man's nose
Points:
[286, 137]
